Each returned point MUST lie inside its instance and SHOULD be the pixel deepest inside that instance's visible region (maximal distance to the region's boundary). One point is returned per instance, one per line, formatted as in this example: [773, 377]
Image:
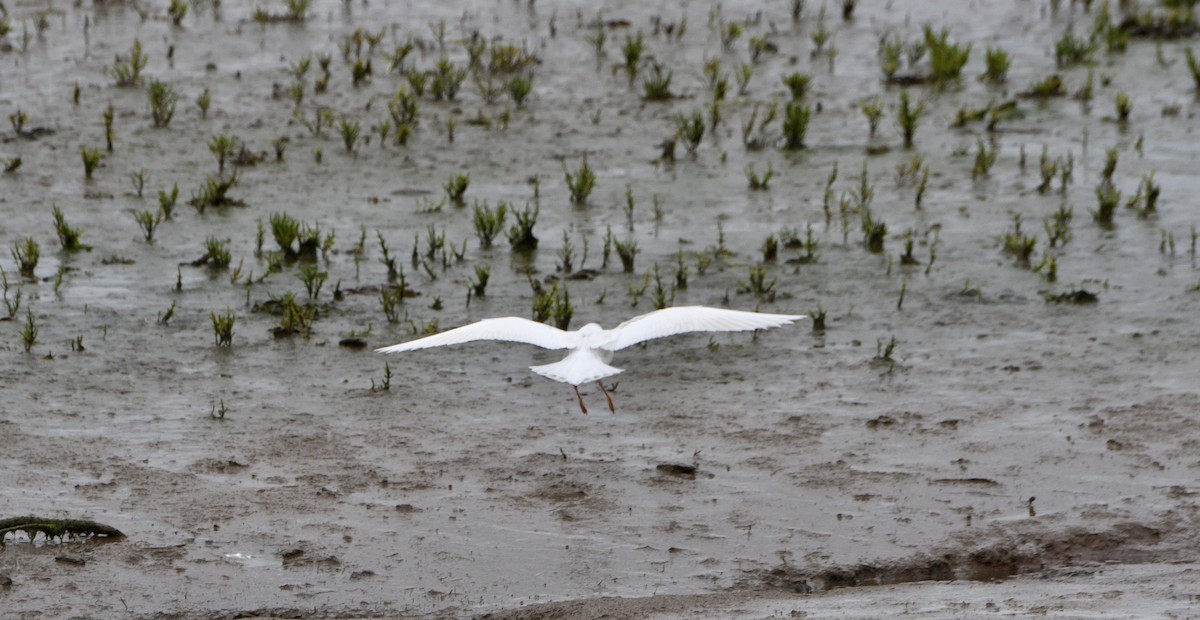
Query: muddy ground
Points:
[741, 476]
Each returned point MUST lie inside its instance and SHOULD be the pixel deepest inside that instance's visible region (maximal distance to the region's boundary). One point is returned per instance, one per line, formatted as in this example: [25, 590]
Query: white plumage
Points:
[592, 346]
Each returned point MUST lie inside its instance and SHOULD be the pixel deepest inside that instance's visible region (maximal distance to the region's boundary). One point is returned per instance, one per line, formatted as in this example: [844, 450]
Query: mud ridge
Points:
[1011, 554]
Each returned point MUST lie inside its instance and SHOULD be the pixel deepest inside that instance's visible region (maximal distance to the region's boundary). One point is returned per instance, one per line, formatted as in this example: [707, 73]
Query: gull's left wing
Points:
[671, 321]
[508, 329]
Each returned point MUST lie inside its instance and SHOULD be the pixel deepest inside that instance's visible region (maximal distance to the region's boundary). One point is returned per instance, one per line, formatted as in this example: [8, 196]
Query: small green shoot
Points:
[223, 327]
[91, 160]
[162, 102]
[26, 254]
[581, 182]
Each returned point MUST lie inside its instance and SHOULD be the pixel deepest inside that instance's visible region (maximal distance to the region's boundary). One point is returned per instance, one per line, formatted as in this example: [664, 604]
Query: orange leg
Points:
[582, 407]
[608, 396]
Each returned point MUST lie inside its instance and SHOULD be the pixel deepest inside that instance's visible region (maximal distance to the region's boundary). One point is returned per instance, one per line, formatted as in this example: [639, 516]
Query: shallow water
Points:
[472, 485]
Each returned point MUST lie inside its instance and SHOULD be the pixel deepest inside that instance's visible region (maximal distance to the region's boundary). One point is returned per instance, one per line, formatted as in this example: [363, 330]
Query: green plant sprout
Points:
[873, 110]
[1017, 244]
[797, 84]
[68, 237]
[757, 284]
[581, 182]
[1193, 65]
[627, 251]
[1124, 107]
[984, 158]
[1108, 198]
[757, 182]
[91, 160]
[29, 333]
[26, 254]
[946, 60]
[998, 63]
[874, 231]
[148, 221]
[162, 102]
[168, 200]
[795, 125]
[350, 130]
[690, 129]
[456, 186]
[520, 234]
[908, 117]
[128, 72]
[223, 327]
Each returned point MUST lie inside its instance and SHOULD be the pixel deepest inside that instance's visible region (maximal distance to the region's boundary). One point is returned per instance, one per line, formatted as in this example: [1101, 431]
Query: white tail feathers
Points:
[579, 367]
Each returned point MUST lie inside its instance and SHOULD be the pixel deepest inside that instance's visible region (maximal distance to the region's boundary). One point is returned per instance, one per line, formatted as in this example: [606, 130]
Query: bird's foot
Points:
[579, 396]
[611, 407]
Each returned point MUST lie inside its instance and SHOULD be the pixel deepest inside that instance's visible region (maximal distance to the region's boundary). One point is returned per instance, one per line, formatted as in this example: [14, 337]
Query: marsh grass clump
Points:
[908, 117]
[946, 60]
[1111, 156]
[204, 102]
[520, 235]
[873, 110]
[1124, 107]
[1058, 226]
[627, 251]
[770, 248]
[1107, 197]
[657, 85]
[456, 187]
[162, 98]
[756, 132]
[518, 88]
[446, 80]
[216, 253]
[68, 237]
[810, 245]
[795, 125]
[390, 298]
[222, 325]
[223, 148]
[581, 182]
[17, 120]
[1146, 200]
[874, 231]
[984, 158]
[91, 160]
[29, 332]
[168, 200]
[488, 222]
[1193, 65]
[128, 72]
[1017, 244]
[998, 63]
[1079, 297]
[797, 84]
[1071, 50]
[215, 193]
[26, 254]
[757, 284]
[632, 51]
[690, 129]
[1051, 86]
[759, 183]
[478, 284]
[313, 279]
[148, 221]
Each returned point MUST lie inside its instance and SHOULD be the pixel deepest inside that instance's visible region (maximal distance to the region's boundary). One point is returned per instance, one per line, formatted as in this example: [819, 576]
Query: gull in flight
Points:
[591, 346]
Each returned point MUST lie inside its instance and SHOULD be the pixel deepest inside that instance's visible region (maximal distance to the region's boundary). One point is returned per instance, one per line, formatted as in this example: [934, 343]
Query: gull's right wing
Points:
[508, 329]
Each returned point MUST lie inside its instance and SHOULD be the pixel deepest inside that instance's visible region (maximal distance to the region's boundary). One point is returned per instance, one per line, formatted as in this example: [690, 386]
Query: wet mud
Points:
[1018, 427]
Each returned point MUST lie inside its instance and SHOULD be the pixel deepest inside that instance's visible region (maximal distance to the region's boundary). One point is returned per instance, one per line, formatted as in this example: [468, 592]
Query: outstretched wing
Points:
[509, 328]
[671, 321]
